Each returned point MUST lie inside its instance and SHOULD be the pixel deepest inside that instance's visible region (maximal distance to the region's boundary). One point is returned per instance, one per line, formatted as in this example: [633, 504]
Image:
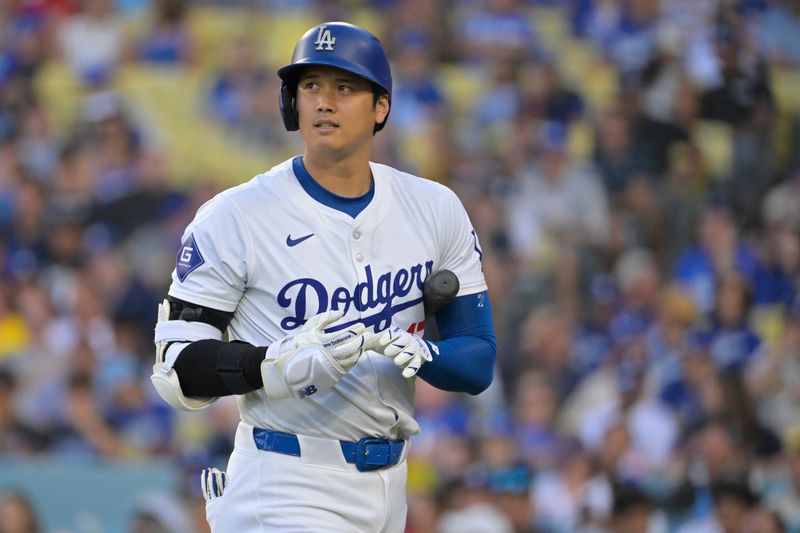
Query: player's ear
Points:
[382, 108]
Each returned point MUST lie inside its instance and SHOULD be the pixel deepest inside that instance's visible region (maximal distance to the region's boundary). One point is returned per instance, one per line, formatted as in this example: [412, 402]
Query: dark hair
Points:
[172, 11]
[7, 378]
[627, 497]
[377, 92]
[735, 489]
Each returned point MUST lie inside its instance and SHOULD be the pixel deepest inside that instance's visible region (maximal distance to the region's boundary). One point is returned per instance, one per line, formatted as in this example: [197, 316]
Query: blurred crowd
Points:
[631, 168]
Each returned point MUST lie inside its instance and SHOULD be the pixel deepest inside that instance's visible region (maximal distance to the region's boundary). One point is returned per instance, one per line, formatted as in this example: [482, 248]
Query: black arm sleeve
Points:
[217, 368]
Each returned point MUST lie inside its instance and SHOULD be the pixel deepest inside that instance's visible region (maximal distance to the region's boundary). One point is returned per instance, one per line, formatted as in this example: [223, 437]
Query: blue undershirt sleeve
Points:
[466, 353]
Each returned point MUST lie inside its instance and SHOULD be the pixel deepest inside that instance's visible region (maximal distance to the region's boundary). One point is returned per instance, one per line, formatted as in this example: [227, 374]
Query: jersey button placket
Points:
[359, 256]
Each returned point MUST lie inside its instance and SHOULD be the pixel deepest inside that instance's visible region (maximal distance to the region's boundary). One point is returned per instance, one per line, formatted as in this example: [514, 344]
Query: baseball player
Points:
[315, 270]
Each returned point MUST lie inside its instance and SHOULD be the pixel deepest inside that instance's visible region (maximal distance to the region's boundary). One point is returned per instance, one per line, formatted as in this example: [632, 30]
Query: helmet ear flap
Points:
[288, 108]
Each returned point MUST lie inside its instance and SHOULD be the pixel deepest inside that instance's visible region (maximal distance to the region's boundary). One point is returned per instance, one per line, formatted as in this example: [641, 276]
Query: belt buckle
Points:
[372, 454]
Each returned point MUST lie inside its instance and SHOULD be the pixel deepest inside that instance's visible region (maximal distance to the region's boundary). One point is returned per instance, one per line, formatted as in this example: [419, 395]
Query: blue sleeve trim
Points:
[466, 353]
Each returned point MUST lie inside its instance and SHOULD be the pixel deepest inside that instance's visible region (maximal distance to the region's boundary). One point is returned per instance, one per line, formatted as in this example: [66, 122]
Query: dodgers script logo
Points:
[306, 297]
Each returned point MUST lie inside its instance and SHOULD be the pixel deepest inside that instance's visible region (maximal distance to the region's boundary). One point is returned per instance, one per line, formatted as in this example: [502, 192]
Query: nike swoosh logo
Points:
[295, 242]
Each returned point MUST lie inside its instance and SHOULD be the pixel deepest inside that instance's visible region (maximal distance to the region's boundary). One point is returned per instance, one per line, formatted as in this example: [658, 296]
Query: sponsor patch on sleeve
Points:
[188, 258]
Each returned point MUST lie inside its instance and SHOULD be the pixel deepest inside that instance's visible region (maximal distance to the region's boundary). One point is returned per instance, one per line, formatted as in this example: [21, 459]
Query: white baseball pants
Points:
[316, 492]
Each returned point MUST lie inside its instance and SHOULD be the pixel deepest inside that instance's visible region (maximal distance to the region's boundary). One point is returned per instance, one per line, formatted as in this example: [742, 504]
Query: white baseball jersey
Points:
[274, 256]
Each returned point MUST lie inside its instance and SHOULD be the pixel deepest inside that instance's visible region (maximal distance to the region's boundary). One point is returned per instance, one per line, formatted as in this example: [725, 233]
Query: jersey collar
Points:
[349, 206]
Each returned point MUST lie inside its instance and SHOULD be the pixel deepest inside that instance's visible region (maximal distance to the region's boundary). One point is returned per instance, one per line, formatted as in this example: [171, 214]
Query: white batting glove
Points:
[344, 347]
[409, 351]
[212, 483]
[300, 365]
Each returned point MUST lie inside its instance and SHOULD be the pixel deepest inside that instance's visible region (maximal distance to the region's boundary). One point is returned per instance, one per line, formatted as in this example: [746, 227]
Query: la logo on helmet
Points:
[325, 40]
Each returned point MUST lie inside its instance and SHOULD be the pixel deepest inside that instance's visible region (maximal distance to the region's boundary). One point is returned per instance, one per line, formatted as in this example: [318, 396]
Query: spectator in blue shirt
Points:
[168, 40]
[719, 251]
[733, 344]
[776, 283]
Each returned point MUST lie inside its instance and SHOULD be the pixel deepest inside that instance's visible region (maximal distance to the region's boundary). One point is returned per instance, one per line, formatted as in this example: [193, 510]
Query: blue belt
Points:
[367, 454]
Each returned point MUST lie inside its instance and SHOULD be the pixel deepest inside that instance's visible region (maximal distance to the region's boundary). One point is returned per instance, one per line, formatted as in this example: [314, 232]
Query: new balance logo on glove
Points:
[306, 392]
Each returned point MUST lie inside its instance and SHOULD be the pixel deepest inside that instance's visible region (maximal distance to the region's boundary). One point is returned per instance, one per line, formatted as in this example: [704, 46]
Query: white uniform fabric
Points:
[372, 267]
[269, 252]
[318, 491]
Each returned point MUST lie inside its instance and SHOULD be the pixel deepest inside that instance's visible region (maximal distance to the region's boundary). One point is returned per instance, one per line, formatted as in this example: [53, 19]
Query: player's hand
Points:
[344, 347]
[212, 483]
[311, 360]
[409, 351]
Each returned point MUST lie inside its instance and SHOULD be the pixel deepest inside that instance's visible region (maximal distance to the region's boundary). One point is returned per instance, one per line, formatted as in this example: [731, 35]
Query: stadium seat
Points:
[197, 146]
[715, 139]
[786, 87]
[550, 25]
[461, 83]
[213, 28]
[60, 94]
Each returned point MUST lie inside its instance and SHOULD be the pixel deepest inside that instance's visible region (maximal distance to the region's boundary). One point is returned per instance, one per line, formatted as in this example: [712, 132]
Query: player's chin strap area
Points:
[171, 336]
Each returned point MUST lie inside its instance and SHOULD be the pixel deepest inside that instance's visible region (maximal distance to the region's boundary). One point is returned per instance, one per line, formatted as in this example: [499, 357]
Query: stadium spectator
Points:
[92, 41]
[242, 96]
[467, 507]
[544, 343]
[763, 520]
[420, 110]
[549, 96]
[632, 511]
[570, 496]
[630, 38]
[534, 418]
[17, 514]
[653, 429]
[510, 486]
[159, 513]
[780, 203]
[112, 135]
[497, 28]
[733, 345]
[643, 271]
[614, 154]
[559, 218]
[17, 438]
[786, 499]
[719, 252]
[743, 98]
[168, 40]
[774, 380]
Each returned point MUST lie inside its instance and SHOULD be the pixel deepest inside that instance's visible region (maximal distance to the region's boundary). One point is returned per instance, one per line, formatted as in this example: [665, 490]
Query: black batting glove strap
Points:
[217, 368]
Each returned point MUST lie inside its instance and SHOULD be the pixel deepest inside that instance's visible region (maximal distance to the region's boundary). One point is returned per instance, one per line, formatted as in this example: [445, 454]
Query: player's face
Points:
[337, 110]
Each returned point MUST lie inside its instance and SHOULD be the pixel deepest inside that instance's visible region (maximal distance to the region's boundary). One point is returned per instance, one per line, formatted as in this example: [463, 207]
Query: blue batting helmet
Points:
[334, 44]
